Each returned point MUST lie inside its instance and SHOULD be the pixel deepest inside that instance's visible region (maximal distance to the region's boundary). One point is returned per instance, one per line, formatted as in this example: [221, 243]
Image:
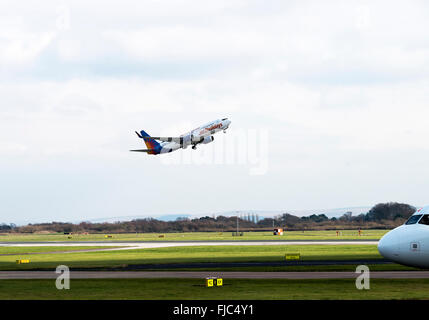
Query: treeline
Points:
[383, 215]
[7, 227]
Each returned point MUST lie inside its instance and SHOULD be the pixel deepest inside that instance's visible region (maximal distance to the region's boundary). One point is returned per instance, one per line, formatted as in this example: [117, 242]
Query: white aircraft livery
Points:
[203, 134]
[408, 244]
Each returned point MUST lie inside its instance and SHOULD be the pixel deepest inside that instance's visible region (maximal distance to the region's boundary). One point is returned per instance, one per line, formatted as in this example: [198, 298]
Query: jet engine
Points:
[197, 139]
[207, 139]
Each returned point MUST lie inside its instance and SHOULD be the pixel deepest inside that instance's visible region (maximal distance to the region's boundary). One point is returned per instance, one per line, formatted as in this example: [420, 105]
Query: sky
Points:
[329, 104]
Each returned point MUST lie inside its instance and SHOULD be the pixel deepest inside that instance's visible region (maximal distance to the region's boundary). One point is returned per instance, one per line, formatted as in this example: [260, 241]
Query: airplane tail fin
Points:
[150, 143]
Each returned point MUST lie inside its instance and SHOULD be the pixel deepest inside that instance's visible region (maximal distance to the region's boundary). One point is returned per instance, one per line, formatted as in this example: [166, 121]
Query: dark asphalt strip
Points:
[198, 265]
[204, 274]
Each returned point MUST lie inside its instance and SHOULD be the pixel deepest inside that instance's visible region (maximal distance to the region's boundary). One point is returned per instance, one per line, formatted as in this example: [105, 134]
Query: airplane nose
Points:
[388, 245]
[384, 248]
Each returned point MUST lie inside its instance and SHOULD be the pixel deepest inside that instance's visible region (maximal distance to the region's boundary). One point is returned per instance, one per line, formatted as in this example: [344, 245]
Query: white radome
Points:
[408, 244]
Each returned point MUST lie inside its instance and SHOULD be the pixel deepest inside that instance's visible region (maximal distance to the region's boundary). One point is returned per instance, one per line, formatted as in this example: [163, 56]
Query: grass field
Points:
[24, 250]
[49, 257]
[199, 236]
[190, 255]
[233, 289]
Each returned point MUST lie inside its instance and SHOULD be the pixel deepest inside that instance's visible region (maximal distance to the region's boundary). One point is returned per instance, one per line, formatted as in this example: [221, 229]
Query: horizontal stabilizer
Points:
[143, 150]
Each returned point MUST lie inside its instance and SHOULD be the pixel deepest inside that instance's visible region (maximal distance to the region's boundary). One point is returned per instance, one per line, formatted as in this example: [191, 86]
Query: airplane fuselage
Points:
[201, 135]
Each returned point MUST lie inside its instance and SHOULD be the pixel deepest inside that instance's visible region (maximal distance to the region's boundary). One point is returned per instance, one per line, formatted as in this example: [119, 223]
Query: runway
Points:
[203, 274]
[163, 244]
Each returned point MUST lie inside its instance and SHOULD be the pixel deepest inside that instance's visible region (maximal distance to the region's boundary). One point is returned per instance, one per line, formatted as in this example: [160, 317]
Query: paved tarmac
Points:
[204, 265]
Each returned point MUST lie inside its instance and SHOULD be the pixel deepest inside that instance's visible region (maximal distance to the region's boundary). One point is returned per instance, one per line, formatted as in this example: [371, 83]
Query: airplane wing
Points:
[168, 139]
[143, 150]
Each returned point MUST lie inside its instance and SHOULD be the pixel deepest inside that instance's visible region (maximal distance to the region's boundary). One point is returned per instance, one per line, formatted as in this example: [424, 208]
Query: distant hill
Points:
[166, 217]
[330, 213]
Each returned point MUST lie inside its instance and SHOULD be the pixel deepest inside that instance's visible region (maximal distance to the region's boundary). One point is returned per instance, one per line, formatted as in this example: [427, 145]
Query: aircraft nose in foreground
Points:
[388, 245]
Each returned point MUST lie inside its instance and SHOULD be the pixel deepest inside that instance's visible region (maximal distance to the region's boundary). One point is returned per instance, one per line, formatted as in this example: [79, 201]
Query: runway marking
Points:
[204, 274]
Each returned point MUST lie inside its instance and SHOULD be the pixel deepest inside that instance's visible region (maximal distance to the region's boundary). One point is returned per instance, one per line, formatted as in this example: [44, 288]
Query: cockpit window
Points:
[424, 219]
[413, 219]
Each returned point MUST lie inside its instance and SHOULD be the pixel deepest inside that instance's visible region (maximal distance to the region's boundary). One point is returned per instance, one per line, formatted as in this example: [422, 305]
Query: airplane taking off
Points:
[203, 134]
[408, 244]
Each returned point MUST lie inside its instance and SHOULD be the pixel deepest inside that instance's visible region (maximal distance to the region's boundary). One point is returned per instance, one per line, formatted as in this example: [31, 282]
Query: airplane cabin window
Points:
[425, 219]
[413, 219]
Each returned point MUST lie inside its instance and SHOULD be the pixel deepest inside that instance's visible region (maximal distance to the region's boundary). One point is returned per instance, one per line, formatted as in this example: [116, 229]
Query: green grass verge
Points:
[233, 289]
[23, 250]
[191, 254]
[293, 268]
[199, 236]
